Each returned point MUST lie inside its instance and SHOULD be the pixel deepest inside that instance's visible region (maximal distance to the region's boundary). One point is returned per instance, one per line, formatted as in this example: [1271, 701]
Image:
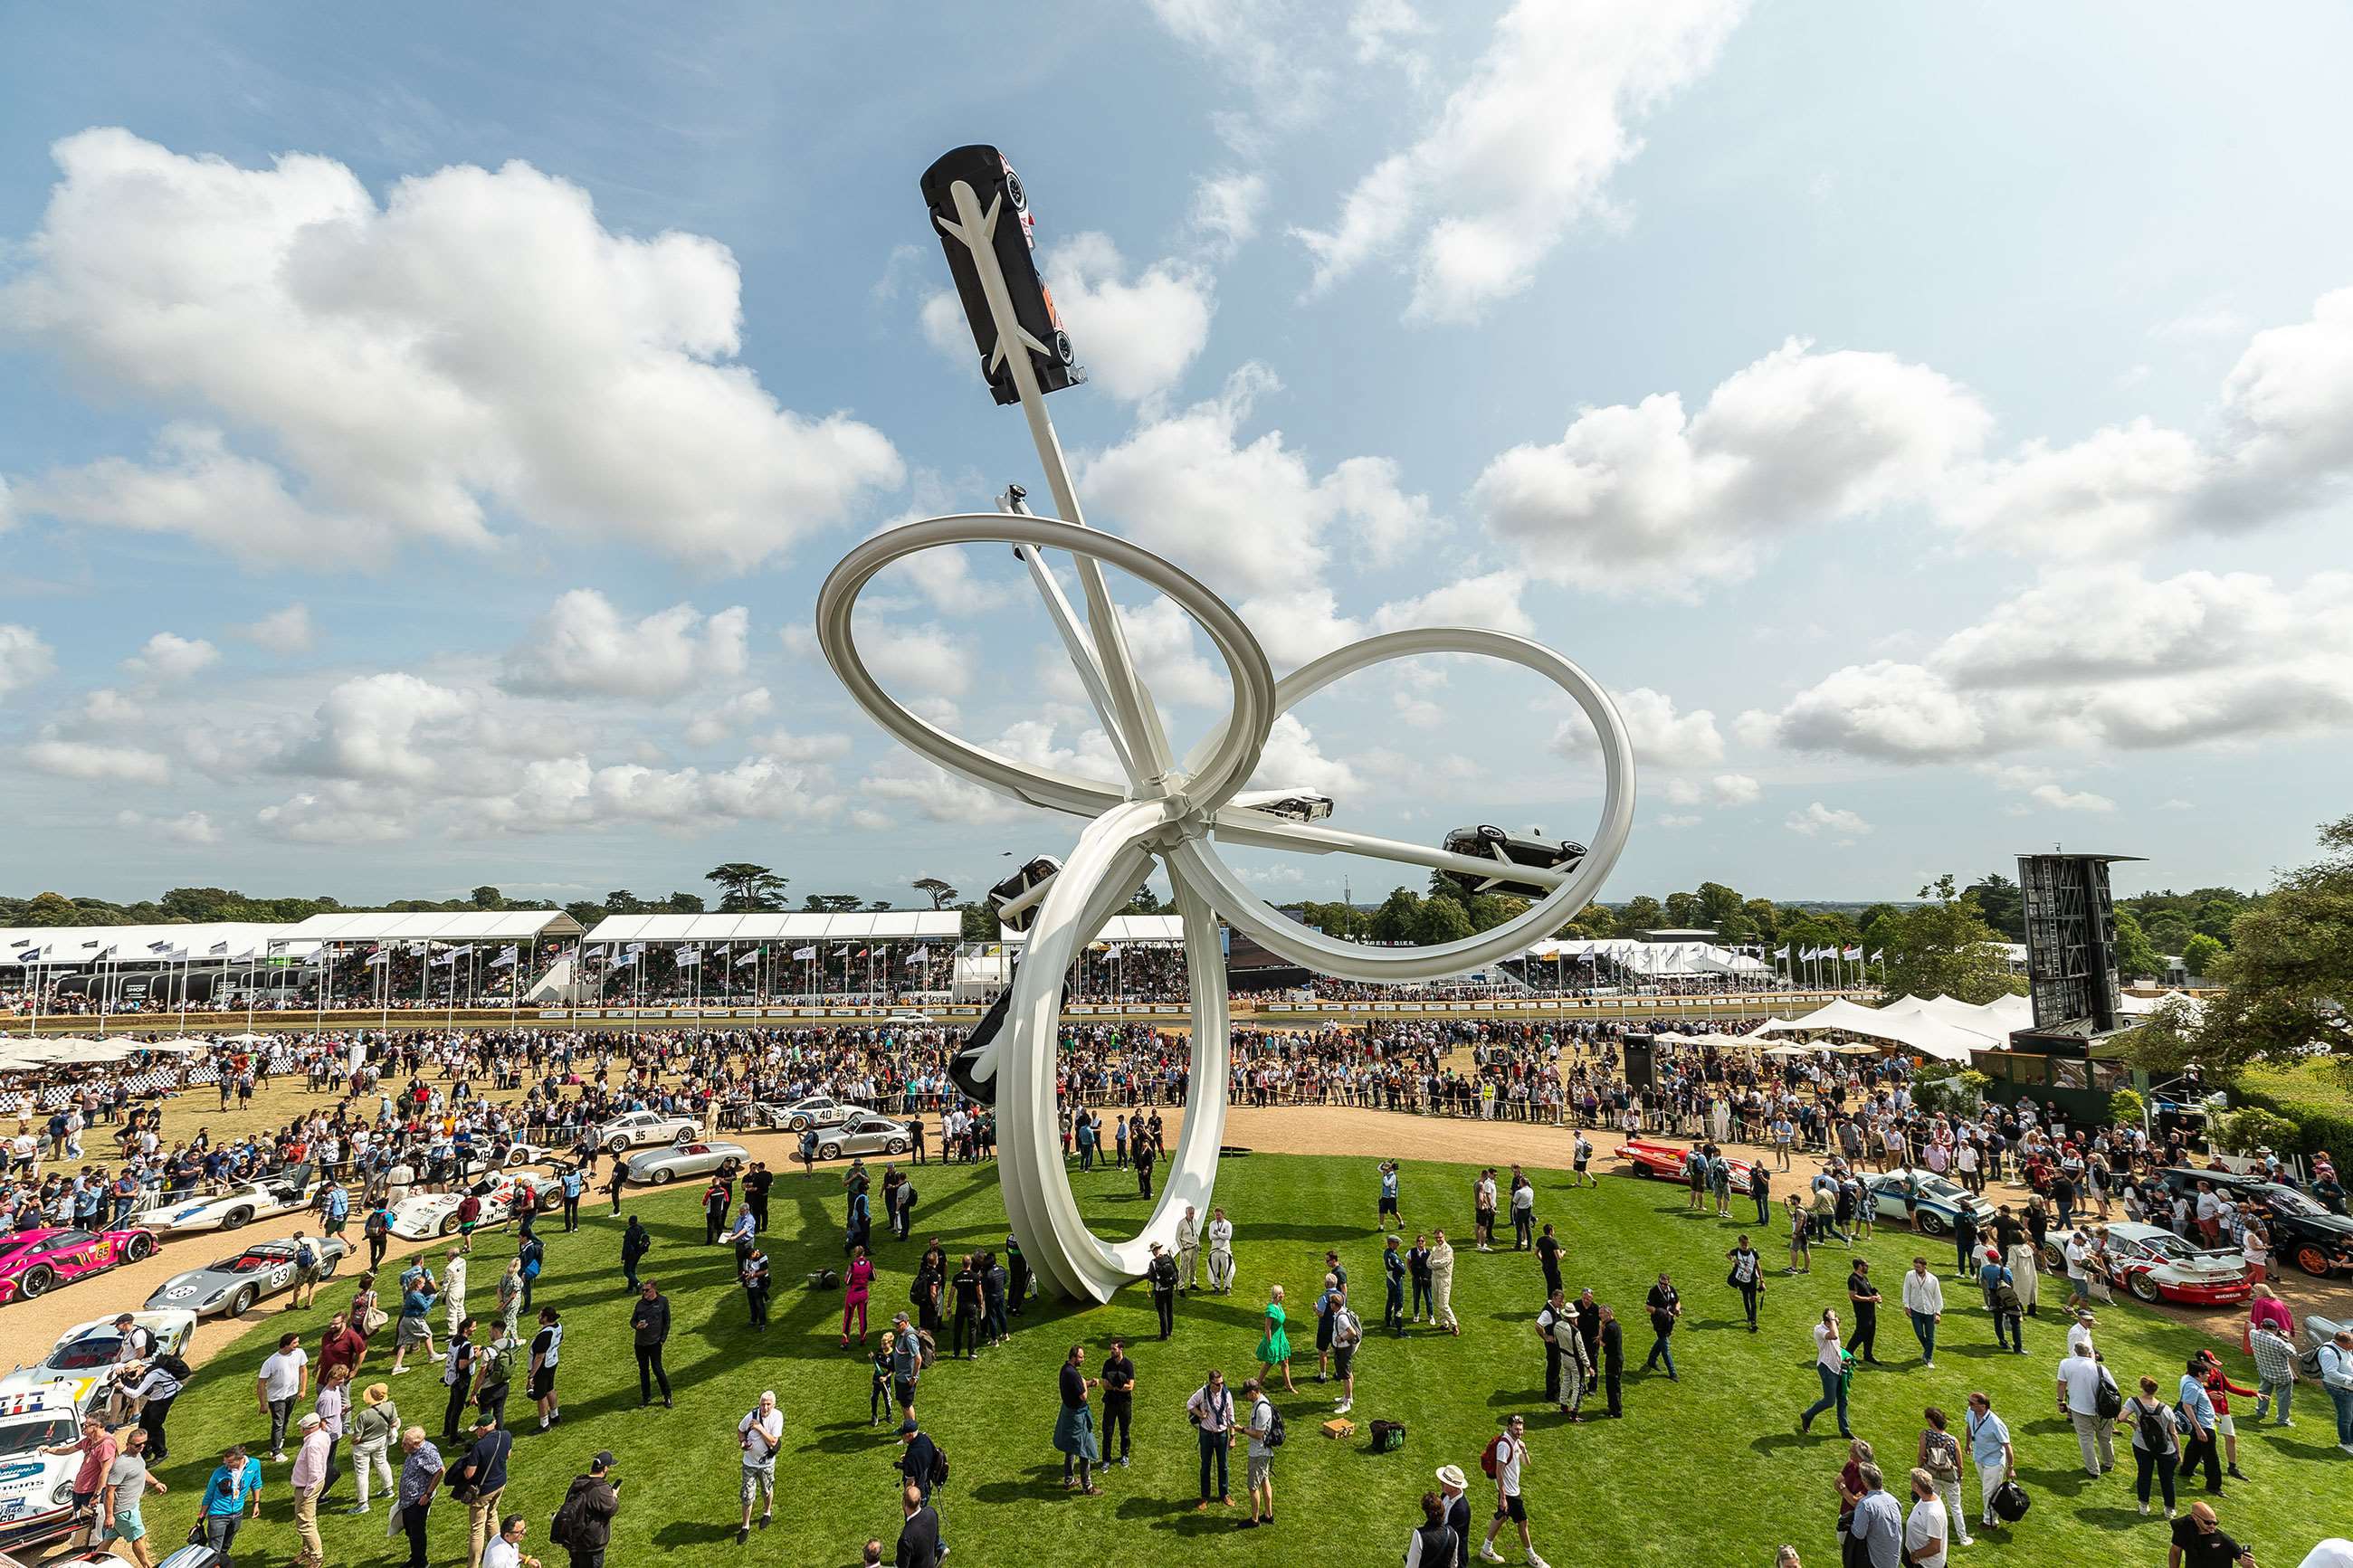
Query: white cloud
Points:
[2037, 786]
[2059, 799]
[787, 747]
[98, 764]
[376, 729]
[1680, 791]
[188, 827]
[927, 658]
[581, 647]
[2100, 656]
[1670, 820]
[1264, 48]
[476, 344]
[2177, 804]
[901, 778]
[1818, 819]
[1376, 25]
[166, 657]
[1736, 789]
[282, 631]
[1226, 207]
[1523, 150]
[1136, 335]
[107, 706]
[1292, 760]
[712, 725]
[1171, 656]
[1648, 497]
[25, 659]
[1663, 738]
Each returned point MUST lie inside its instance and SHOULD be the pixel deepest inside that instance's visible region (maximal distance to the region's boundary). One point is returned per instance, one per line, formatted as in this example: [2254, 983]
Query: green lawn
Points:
[1710, 1471]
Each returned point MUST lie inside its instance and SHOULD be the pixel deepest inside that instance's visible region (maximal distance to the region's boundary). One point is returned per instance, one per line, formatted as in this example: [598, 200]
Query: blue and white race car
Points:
[287, 1191]
[36, 1489]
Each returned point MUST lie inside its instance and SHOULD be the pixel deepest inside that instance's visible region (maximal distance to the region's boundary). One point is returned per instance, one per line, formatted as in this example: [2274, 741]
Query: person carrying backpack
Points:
[584, 1520]
[2155, 1442]
[1347, 1333]
[1264, 1430]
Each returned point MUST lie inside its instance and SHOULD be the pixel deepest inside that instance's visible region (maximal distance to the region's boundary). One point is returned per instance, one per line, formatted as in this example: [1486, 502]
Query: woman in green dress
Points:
[1274, 1349]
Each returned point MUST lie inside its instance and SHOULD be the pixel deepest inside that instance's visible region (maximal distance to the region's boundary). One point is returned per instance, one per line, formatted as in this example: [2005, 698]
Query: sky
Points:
[424, 431]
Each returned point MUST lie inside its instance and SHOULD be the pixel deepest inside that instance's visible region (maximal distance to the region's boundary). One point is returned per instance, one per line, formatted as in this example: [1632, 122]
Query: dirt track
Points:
[31, 1326]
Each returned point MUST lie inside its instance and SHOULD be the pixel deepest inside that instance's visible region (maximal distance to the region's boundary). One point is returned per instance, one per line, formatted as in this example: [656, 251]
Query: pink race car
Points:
[31, 1262]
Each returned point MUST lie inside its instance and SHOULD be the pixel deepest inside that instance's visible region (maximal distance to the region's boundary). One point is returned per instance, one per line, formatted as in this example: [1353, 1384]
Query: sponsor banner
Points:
[1385, 1006]
[744, 1013]
[555, 1012]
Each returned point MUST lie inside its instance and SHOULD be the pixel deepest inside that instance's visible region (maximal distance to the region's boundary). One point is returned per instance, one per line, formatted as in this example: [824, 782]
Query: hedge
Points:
[2323, 1113]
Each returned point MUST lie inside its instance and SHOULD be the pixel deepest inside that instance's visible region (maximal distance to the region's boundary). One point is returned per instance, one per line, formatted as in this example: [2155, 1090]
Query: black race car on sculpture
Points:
[1509, 850]
[1013, 241]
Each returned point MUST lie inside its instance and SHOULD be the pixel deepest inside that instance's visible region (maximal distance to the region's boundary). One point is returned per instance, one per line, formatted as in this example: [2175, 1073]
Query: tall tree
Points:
[2001, 904]
[1400, 916]
[1944, 947]
[2201, 955]
[932, 887]
[1640, 914]
[2290, 968]
[1685, 910]
[747, 888]
[831, 903]
[2137, 958]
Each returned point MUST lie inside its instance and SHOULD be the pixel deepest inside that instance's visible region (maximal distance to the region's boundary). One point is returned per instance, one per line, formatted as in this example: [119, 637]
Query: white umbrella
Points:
[247, 1039]
[94, 1053]
[34, 1053]
[181, 1046]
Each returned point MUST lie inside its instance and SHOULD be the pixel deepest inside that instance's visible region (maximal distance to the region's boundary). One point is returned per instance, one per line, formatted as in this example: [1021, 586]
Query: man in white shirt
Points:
[1510, 1458]
[1926, 1528]
[284, 1378]
[2079, 1391]
[1188, 1251]
[2079, 1333]
[1221, 1252]
[1923, 1298]
[2337, 1376]
[760, 1433]
[506, 1551]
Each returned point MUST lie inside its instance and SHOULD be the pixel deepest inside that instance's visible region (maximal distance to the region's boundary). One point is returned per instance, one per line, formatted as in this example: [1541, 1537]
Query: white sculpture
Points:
[1170, 809]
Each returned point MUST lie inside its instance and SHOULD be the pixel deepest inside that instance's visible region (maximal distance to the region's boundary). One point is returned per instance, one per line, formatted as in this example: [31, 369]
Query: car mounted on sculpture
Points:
[640, 1128]
[1010, 900]
[1664, 1161]
[232, 1286]
[2302, 1233]
[659, 1167]
[2156, 1265]
[1293, 804]
[1940, 1201]
[34, 1262]
[287, 1191]
[1002, 198]
[1508, 850]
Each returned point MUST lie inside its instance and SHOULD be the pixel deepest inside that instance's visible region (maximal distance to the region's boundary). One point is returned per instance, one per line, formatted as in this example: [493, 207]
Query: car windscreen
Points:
[247, 1263]
[2168, 1246]
[2289, 1201]
[19, 1439]
[80, 1355]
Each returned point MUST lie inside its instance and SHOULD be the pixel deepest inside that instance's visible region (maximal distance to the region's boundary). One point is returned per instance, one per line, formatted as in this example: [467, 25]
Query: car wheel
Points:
[617, 1146]
[798, 1124]
[36, 1282]
[1933, 1223]
[685, 1136]
[2052, 1258]
[664, 1177]
[828, 1151]
[139, 1247]
[448, 1225]
[518, 1156]
[2145, 1288]
[550, 1200]
[895, 1146]
[2312, 1259]
[242, 1302]
[327, 1262]
[237, 1219]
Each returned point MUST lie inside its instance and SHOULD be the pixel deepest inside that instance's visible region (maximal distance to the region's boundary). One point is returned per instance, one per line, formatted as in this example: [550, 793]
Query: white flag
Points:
[803, 954]
[689, 958]
[626, 959]
[1852, 952]
[634, 949]
[379, 957]
[506, 956]
[921, 955]
[449, 957]
[751, 957]
[220, 950]
[1879, 956]
[1782, 952]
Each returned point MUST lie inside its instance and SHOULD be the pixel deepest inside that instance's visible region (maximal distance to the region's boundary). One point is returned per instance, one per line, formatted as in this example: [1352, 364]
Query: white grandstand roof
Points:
[1127, 928]
[456, 925]
[66, 946]
[888, 925]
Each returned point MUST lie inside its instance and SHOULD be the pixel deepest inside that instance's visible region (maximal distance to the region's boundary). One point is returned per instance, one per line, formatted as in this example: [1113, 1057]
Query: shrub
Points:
[2128, 1109]
[2250, 1127]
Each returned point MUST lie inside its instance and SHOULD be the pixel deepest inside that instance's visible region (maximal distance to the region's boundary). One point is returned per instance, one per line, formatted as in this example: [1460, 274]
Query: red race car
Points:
[1665, 1162]
[31, 1262]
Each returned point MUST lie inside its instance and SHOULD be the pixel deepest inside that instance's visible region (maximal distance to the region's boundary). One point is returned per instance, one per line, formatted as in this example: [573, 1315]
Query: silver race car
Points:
[657, 1167]
[237, 1282]
[864, 1133]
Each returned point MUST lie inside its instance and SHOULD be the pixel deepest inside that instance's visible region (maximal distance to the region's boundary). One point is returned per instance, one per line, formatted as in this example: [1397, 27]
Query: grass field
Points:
[1707, 1470]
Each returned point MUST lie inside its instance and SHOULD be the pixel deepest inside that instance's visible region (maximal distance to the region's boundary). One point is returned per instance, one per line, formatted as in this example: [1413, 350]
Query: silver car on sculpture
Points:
[656, 1167]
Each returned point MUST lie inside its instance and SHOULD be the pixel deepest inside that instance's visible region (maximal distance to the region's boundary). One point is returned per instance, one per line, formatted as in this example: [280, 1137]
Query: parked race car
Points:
[817, 1111]
[237, 1282]
[657, 1167]
[88, 1350]
[864, 1133]
[36, 1489]
[285, 1192]
[1664, 1161]
[2302, 1233]
[1941, 1201]
[2156, 1265]
[34, 1262]
[423, 1215]
[640, 1128]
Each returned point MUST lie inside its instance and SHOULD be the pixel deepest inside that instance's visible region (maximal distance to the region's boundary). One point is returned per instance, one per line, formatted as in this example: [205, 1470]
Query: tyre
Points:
[617, 1146]
[237, 1219]
[895, 1146]
[2144, 1288]
[2312, 1258]
[664, 1177]
[242, 1302]
[685, 1136]
[550, 1200]
[139, 1247]
[1933, 1223]
[448, 1225]
[2052, 1258]
[327, 1263]
[828, 1151]
[798, 1124]
[36, 1282]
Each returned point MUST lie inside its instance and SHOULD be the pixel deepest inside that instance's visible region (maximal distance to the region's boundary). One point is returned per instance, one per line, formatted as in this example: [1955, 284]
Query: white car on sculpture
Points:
[422, 1216]
[640, 1128]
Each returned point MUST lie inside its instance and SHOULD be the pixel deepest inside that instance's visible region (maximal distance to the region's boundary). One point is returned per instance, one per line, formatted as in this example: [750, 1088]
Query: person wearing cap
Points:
[96, 1446]
[309, 1479]
[2079, 1332]
[759, 1433]
[906, 1362]
[376, 1427]
[481, 1477]
[128, 1481]
[598, 1495]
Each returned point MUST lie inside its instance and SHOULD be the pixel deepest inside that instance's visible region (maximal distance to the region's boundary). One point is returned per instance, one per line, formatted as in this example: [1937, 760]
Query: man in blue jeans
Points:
[1923, 1298]
[2337, 1376]
[1211, 1411]
[231, 1497]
